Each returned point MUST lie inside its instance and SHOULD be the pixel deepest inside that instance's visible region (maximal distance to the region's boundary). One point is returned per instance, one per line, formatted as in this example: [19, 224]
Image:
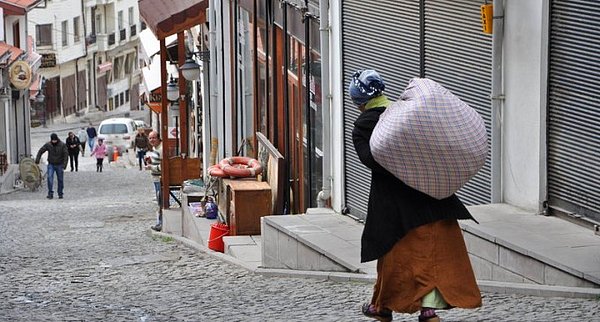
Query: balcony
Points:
[111, 39]
[122, 35]
[133, 30]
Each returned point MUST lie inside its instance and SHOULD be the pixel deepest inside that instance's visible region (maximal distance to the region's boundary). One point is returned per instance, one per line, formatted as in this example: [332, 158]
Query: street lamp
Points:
[172, 90]
[40, 100]
[190, 69]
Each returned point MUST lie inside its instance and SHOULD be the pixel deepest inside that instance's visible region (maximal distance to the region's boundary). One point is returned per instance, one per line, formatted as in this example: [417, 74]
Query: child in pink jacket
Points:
[99, 152]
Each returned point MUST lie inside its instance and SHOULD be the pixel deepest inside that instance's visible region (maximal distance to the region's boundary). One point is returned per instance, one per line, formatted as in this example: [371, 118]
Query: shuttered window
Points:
[459, 56]
[574, 108]
[387, 40]
[43, 34]
[441, 40]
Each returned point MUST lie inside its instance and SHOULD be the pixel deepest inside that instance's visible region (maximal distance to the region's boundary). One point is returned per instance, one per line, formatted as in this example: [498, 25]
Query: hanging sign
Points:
[20, 74]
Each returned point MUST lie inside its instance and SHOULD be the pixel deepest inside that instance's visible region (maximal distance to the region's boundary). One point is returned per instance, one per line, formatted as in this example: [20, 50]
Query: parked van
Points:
[119, 132]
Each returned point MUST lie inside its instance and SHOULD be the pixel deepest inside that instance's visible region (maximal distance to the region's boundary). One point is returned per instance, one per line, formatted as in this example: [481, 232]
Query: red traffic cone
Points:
[115, 154]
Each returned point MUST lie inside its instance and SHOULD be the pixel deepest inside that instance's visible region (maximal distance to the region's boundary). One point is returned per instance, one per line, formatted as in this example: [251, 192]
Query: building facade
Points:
[89, 55]
[19, 66]
[282, 67]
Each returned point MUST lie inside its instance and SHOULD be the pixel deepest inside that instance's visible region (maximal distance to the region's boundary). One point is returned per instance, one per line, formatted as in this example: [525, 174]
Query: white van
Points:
[119, 132]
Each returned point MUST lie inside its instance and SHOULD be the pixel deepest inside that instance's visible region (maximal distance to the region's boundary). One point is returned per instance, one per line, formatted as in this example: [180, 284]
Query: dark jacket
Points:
[91, 132]
[394, 208]
[141, 142]
[57, 154]
[73, 145]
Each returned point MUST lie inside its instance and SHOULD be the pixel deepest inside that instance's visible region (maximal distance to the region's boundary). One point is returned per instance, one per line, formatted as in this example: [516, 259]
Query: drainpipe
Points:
[213, 86]
[497, 101]
[324, 28]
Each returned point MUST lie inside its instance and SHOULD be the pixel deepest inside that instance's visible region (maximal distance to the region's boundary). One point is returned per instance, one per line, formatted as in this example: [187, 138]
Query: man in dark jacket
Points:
[58, 156]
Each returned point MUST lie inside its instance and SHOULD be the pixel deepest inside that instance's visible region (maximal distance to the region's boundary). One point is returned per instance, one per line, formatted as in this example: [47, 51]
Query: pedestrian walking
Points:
[142, 145]
[73, 146]
[154, 159]
[83, 137]
[99, 152]
[91, 133]
[422, 261]
[58, 156]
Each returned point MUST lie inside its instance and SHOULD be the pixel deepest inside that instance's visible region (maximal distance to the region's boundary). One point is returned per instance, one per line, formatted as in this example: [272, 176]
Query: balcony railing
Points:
[122, 34]
[133, 30]
[111, 39]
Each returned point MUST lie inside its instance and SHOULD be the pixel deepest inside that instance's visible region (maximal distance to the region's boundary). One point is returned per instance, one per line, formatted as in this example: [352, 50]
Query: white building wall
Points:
[55, 13]
[337, 105]
[525, 62]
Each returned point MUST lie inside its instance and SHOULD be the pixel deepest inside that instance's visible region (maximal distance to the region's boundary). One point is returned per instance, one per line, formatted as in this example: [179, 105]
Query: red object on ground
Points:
[215, 237]
[115, 154]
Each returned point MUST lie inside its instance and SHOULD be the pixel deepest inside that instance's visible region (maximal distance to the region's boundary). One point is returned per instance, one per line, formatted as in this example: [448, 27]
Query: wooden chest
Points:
[245, 202]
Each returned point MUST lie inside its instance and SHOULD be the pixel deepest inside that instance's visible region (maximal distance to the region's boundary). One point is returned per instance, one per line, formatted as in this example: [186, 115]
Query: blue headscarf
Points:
[364, 85]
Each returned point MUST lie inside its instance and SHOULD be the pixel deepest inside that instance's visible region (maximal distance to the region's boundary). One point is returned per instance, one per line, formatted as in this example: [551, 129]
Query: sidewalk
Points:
[512, 252]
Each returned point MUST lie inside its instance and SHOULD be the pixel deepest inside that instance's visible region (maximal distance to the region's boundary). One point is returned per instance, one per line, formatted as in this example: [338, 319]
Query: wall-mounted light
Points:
[172, 90]
[190, 69]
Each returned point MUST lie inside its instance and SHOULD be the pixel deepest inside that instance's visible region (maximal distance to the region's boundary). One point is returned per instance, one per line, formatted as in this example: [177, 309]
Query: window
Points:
[99, 24]
[43, 35]
[65, 31]
[131, 20]
[120, 20]
[76, 34]
[115, 128]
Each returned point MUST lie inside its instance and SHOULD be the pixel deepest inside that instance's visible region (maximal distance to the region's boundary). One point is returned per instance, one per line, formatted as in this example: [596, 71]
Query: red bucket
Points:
[215, 237]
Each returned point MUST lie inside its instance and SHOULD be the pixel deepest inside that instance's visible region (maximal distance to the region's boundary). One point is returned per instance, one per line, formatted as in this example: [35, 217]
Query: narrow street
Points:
[91, 256]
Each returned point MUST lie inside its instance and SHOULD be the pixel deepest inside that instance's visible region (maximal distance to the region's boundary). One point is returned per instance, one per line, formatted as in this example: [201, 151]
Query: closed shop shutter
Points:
[81, 90]
[574, 108]
[459, 56]
[68, 93]
[380, 35]
[134, 99]
[455, 53]
[102, 92]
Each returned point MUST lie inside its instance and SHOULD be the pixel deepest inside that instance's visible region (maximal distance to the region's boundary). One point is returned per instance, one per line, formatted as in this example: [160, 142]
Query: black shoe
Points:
[49, 197]
[156, 227]
[383, 315]
[60, 197]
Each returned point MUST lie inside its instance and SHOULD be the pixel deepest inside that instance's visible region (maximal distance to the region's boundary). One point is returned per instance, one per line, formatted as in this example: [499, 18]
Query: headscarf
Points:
[364, 85]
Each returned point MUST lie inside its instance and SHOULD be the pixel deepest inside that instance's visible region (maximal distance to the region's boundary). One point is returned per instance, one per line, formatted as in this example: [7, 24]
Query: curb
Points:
[484, 285]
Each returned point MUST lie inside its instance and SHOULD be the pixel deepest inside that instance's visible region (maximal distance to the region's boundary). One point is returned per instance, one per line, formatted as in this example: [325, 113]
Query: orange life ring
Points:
[240, 167]
[216, 171]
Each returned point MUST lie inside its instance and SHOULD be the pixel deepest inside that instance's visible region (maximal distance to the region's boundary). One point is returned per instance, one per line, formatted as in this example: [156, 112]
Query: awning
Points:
[104, 67]
[18, 7]
[154, 106]
[167, 18]
[150, 46]
[151, 74]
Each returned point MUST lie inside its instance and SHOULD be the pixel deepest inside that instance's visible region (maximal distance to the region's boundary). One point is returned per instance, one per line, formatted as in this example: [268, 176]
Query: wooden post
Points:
[183, 111]
[164, 125]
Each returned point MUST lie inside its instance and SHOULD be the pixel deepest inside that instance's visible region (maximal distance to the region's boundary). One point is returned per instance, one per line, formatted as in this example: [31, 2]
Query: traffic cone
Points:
[115, 154]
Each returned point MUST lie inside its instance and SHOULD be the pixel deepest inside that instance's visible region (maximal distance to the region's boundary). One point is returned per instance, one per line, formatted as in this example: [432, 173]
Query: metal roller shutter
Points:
[459, 56]
[381, 35]
[574, 108]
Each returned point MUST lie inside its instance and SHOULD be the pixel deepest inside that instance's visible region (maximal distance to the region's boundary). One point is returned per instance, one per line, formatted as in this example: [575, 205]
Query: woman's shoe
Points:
[383, 315]
[434, 318]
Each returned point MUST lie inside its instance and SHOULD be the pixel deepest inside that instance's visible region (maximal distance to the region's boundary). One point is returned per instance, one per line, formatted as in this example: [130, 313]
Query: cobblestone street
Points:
[91, 257]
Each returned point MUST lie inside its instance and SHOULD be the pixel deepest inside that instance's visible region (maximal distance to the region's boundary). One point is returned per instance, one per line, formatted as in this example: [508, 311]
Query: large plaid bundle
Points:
[430, 139]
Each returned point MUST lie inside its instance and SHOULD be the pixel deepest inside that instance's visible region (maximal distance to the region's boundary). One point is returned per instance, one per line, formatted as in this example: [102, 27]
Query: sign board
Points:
[20, 74]
[48, 60]
[172, 132]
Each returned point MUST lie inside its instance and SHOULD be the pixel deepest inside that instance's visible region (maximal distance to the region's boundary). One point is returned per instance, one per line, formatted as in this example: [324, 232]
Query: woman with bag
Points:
[422, 261]
[142, 145]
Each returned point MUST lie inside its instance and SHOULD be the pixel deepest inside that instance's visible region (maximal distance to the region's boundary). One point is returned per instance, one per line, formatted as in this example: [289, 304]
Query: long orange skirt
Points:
[428, 257]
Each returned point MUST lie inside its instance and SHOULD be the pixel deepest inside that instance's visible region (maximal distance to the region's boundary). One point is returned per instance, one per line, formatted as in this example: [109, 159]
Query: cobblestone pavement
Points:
[91, 257]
